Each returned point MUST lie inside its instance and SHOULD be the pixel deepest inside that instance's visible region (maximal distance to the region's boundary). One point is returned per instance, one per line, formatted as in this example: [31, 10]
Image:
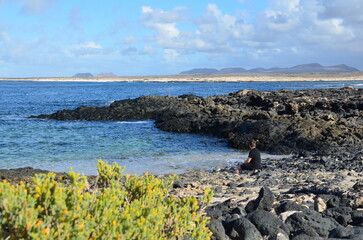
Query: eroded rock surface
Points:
[324, 121]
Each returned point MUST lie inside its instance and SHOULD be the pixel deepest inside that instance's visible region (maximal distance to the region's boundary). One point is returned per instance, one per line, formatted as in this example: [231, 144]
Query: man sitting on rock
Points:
[253, 161]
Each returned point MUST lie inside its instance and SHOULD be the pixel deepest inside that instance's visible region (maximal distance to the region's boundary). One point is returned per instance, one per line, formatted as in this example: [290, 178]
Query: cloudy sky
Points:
[62, 37]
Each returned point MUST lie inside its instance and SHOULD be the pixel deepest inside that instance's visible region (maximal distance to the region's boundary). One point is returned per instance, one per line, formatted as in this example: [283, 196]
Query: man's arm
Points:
[248, 160]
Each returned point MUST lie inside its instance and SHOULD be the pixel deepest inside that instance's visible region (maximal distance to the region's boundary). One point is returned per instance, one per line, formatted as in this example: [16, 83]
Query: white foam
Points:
[134, 122]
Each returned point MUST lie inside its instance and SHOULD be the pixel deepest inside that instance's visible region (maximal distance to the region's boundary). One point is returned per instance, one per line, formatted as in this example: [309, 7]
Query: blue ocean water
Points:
[137, 145]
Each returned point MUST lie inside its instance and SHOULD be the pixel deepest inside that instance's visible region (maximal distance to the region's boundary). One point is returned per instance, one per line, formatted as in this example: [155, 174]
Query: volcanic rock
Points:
[328, 122]
[267, 223]
[289, 206]
[310, 223]
[264, 201]
[242, 228]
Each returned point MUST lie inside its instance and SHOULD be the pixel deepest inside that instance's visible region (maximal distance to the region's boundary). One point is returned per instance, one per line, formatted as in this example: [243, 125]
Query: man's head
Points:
[252, 144]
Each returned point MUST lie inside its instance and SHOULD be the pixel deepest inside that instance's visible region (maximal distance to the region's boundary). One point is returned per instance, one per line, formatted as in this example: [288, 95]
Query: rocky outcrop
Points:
[300, 222]
[323, 121]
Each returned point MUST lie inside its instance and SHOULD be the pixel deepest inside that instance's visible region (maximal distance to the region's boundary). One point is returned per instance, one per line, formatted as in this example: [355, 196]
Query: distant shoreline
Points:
[300, 77]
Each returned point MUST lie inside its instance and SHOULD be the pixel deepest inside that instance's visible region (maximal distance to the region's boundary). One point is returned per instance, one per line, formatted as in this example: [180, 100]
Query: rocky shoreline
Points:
[320, 121]
[294, 198]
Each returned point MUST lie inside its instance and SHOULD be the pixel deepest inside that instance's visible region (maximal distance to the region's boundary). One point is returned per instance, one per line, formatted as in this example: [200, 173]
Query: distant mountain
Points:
[304, 68]
[107, 75]
[232, 70]
[201, 71]
[83, 75]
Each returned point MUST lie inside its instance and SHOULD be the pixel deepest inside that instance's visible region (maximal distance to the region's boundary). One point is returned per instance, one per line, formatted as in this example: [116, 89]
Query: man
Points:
[253, 161]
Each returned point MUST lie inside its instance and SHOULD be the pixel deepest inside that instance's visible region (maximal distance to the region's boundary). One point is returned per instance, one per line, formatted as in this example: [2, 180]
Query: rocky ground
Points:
[294, 198]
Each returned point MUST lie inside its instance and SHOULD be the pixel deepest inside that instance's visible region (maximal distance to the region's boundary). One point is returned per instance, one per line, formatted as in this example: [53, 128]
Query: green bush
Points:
[120, 207]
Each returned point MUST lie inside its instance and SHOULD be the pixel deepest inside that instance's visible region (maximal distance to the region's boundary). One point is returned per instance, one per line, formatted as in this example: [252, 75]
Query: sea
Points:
[138, 146]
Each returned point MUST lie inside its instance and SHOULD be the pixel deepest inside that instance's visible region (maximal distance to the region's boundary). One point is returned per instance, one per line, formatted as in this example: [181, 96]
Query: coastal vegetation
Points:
[118, 206]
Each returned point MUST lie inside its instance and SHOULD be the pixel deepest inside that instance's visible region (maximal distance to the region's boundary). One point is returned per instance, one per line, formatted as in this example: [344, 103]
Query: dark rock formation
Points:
[264, 201]
[289, 206]
[325, 121]
[310, 223]
[267, 223]
[299, 223]
[216, 227]
[242, 228]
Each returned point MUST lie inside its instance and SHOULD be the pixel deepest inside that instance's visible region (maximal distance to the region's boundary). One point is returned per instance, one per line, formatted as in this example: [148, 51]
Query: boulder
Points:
[305, 237]
[289, 206]
[217, 229]
[264, 201]
[346, 233]
[319, 204]
[221, 209]
[267, 223]
[280, 235]
[310, 223]
[243, 229]
[357, 218]
[340, 214]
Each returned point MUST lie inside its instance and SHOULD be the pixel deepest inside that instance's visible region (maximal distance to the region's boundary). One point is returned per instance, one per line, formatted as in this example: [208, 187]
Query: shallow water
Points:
[138, 145]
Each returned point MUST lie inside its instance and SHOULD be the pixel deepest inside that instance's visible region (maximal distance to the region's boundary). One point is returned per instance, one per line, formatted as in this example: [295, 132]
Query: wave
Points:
[134, 122]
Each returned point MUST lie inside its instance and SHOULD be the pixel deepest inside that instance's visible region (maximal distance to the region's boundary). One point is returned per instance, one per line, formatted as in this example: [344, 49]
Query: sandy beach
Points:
[354, 76]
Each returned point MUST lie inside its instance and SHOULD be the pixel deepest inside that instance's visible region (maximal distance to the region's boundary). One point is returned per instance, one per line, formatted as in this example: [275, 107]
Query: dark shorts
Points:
[248, 166]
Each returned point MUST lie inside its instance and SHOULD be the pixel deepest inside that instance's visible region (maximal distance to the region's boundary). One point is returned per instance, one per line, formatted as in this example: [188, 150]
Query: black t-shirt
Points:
[256, 158]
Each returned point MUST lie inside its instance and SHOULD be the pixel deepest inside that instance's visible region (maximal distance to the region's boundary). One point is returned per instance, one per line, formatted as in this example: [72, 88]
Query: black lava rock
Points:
[264, 201]
[267, 223]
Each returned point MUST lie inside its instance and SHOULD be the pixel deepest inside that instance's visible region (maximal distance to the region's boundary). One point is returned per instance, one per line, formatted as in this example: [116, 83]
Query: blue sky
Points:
[55, 38]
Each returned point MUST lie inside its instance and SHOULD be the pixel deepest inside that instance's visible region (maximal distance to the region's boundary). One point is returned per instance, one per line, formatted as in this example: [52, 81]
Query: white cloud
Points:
[164, 24]
[160, 16]
[147, 50]
[146, 9]
[90, 45]
[286, 30]
[214, 31]
[86, 49]
[4, 37]
[171, 55]
[133, 51]
[10, 49]
[221, 31]
[308, 23]
[36, 6]
[129, 51]
[130, 39]
[349, 10]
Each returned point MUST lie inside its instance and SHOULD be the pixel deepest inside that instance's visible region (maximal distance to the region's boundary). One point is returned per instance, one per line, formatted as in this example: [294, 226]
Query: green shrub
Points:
[121, 207]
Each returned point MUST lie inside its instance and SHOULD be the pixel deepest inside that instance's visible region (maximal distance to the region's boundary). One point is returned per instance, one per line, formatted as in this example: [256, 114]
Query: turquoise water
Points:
[138, 145]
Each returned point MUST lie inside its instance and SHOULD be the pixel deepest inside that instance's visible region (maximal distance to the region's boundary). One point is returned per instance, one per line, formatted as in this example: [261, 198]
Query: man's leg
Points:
[246, 166]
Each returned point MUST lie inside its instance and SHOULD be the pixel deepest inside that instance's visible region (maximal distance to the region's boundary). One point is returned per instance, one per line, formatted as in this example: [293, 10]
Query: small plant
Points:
[121, 207]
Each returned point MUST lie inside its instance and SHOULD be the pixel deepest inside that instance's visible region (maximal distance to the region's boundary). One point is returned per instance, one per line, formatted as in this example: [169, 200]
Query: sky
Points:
[59, 38]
